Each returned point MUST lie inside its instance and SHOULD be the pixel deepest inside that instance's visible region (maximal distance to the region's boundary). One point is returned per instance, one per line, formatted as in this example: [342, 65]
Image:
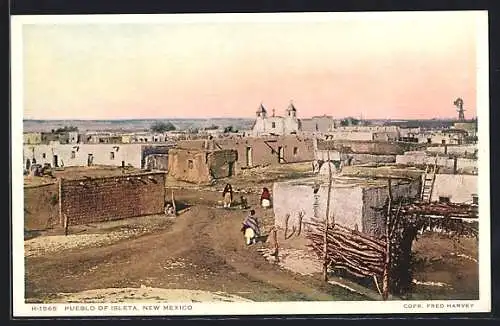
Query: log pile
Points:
[451, 210]
[359, 254]
[454, 219]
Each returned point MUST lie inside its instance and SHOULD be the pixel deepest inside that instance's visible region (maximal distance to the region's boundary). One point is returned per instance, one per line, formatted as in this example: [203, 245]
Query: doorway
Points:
[249, 156]
[230, 169]
[281, 155]
[55, 162]
[90, 160]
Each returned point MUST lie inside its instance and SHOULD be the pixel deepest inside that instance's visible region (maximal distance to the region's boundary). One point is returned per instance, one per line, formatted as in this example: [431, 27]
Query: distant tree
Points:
[65, 129]
[349, 122]
[162, 126]
[212, 127]
[229, 129]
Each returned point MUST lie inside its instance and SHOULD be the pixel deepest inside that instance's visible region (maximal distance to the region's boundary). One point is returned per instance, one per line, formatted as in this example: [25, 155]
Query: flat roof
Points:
[342, 181]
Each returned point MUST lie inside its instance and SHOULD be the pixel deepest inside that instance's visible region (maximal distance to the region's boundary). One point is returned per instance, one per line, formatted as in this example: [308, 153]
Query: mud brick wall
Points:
[110, 198]
[41, 209]
[189, 165]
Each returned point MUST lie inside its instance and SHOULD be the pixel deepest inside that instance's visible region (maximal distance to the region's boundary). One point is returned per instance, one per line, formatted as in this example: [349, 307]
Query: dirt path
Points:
[203, 250]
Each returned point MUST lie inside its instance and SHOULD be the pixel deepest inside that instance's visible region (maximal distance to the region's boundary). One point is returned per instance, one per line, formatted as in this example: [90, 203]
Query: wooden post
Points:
[385, 281]
[63, 217]
[325, 239]
[66, 224]
[276, 244]
[59, 200]
[173, 203]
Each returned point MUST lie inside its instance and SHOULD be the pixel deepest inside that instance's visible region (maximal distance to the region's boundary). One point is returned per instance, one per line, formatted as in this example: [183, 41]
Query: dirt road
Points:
[202, 250]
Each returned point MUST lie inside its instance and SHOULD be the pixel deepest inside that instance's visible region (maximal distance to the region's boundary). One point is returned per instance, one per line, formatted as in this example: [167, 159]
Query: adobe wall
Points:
[467, 165]
[156, 162]
[367, 147]
[351, 135]
[351, 205]
[192, 144]
[189, 165]
[110, 198]
[264, 149]
[222, 163]
[454, 149]
[41, 207]
[463, 165]
[128, 153]
[458, 187]
[289, 198]
[358, 158]
[374, 220]
[421, 158]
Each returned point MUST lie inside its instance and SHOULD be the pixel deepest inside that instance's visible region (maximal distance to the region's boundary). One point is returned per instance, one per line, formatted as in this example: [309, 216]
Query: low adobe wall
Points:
[103, 199]
[458, 187]
[41, 209]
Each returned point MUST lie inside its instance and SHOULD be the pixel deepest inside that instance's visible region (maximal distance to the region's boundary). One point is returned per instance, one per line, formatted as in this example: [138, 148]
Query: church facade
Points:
[289, 124]
[276, 125]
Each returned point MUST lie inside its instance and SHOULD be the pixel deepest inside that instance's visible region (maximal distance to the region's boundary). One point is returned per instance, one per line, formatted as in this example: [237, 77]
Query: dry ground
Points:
[446, 268]
[203, 250]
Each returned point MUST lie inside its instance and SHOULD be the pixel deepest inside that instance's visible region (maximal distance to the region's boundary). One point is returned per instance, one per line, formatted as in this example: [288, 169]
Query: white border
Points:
[20, 309]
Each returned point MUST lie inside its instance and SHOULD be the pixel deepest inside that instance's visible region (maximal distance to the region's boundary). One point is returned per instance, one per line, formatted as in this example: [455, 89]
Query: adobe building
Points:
[200, 165]
[78, 201]
[317, 125]
[61, 155]
[353, 202]
[258, 151]
[32, 138]
[276, 125]
[266, 125]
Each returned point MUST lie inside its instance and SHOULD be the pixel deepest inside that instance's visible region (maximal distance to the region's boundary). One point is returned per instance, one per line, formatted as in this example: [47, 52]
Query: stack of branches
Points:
[457, 220]
[466, 211]
[347, 249]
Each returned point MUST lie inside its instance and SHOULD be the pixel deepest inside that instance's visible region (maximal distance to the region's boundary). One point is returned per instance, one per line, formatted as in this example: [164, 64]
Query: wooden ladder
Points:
[428, 182]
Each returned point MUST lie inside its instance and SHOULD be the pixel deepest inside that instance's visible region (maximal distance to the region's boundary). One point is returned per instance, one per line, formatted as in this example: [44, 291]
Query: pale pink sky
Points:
[411, 67]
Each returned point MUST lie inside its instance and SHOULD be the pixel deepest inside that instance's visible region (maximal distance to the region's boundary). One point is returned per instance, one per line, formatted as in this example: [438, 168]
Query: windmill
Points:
[459, 103]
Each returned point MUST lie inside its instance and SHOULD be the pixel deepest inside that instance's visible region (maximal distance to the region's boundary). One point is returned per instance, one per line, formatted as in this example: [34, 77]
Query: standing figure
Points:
[227, 195]
[250, 228]
[265, 198]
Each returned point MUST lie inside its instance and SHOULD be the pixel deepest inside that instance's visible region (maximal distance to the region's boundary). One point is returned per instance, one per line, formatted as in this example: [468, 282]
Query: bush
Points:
[162, 126]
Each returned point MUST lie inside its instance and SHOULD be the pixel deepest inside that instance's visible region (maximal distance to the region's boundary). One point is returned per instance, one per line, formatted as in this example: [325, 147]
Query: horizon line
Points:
[234, 118]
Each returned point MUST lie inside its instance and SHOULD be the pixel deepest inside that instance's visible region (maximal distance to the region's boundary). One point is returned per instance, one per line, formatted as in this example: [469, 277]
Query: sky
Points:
[403, 65]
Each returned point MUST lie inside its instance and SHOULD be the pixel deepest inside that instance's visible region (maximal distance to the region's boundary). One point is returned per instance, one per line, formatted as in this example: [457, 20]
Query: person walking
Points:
[265, 198]
[227, 195]
[251, 222]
